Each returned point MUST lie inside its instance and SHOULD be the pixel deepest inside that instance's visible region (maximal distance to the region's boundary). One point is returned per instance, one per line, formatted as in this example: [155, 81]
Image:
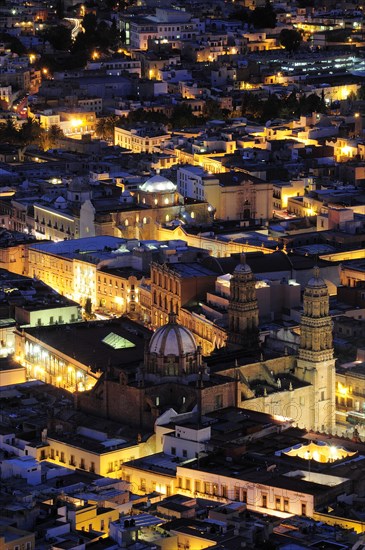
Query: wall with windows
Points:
[258, 496]
[45, 363]
[51, 316]
[107, 464]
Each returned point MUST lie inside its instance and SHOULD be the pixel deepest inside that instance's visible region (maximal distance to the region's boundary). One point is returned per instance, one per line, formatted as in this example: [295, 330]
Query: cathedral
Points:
[175, 375]
[302, 387]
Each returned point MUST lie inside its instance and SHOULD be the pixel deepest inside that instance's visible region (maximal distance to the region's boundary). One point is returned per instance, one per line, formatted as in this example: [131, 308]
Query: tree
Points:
[59, 37]
[105, 127]
[289, 106]
[9, 133]
[290, 39]
[271, 108]
[252, 106]
[182, 117]
[89, 23]
[141, 115]
[240, 14]
[310, 104]
[31, 132]
[13, 43]
[49, 139]
[264, 17]
[361, 93]
[60, 9]
[212, 110]
[88, 308]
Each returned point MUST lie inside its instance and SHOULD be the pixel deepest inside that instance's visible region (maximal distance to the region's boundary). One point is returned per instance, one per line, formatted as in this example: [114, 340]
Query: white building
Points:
[190, 181]
[25, 467]
[166, 26]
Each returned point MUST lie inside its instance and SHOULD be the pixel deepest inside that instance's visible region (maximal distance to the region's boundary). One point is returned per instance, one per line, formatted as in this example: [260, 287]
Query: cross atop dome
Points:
[172, 318]
[242, 267]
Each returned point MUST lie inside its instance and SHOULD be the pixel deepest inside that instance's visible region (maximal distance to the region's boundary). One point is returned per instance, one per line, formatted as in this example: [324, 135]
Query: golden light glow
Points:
[95, 55]
[344, 92]
[245, 86]
[76, 122]
[319, 452]
[342, 390]
[346, 150]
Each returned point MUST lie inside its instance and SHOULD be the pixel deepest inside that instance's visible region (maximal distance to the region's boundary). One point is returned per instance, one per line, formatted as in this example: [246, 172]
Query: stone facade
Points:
[243, 311]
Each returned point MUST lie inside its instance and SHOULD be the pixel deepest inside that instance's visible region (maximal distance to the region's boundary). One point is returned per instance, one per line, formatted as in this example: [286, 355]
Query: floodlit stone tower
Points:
[315, 363]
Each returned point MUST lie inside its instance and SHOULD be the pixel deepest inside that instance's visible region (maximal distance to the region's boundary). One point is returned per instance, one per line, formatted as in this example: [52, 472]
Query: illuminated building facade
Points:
[80, 272]
[43, 362]
[166, 26]
[103, 457]
[175, 286]
[140, 140]
[74, 356]
[315, 363]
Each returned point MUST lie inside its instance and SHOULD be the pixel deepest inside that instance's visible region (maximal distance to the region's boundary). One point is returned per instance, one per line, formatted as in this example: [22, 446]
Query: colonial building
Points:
[175, 286]
[138, 215]
[140, 140]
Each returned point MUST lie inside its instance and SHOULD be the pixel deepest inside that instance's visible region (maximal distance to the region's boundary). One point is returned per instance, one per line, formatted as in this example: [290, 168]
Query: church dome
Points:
[316, 281]
[172, 339]
[242, 267]
[158, 184]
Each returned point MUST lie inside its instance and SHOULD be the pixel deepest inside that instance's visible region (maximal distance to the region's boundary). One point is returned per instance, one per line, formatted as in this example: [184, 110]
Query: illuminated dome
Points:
[158, 184]
[316, 281]
[242, 267]
[172, 339]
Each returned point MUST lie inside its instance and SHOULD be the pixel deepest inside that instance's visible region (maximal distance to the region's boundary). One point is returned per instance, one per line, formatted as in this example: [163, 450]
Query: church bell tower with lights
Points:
[315, 363]
[243, 311]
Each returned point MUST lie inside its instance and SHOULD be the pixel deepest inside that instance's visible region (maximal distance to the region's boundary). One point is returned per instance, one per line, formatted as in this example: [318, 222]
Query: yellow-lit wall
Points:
[12, 376]
[143, 482]
[217, 248]
[207, 485]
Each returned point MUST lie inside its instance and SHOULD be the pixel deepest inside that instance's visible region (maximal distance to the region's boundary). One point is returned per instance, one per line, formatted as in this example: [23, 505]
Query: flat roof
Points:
[84, 342]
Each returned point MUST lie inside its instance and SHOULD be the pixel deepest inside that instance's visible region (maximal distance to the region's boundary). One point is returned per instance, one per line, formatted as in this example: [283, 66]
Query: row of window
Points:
[105, 281]
[166, 282]
[112, 466]
[239, 493]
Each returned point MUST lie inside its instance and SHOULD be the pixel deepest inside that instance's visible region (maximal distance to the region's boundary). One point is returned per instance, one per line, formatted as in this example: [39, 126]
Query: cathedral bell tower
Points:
[243, 311]
[315, 363]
